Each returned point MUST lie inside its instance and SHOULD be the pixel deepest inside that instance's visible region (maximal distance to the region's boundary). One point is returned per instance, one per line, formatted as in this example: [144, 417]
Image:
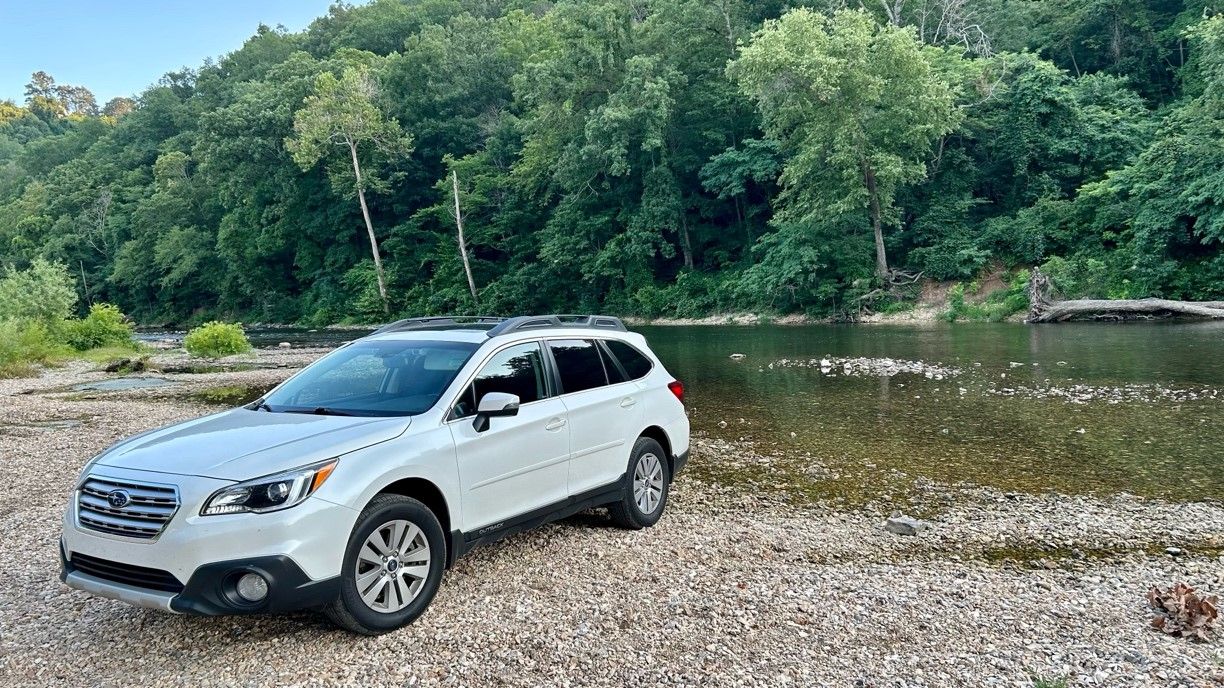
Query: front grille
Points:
[147, 512]
[139, 576]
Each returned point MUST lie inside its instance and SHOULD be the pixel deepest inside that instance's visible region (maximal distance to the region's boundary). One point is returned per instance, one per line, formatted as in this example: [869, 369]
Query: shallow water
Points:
[121, 384]
[1159, 439]
[1144, 428]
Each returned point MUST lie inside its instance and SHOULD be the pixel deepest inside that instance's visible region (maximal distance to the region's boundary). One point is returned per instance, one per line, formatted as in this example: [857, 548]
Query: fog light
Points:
[252, 587]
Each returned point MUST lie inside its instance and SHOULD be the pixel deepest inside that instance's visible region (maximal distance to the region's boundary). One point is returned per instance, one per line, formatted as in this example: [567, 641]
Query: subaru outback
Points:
[354, 484]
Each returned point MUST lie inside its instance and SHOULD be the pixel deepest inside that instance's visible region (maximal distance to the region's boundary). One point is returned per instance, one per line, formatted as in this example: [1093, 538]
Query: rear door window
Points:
[635, 363]
[579, 364]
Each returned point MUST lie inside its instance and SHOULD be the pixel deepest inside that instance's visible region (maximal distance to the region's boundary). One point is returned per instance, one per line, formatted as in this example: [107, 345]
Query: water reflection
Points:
[865, 427]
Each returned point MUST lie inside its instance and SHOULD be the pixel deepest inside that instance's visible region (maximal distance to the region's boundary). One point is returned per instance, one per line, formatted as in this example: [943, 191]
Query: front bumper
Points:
[211, 589]
[192, 565]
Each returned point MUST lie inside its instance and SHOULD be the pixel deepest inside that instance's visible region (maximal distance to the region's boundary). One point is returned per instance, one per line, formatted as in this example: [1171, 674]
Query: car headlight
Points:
[270, 493]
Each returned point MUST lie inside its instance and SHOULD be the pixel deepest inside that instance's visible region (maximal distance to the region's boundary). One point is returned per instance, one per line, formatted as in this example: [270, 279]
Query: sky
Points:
[119, 47]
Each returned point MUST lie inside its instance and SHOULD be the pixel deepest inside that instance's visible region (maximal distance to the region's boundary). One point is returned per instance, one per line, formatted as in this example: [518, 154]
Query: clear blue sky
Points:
[118, 47]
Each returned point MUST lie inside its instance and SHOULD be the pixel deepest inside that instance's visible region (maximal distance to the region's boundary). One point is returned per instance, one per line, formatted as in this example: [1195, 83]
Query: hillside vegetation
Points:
[644, 157]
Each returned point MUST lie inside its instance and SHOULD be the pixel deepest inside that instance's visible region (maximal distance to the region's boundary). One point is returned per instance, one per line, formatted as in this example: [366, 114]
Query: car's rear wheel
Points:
[392, 566]
[646, 487]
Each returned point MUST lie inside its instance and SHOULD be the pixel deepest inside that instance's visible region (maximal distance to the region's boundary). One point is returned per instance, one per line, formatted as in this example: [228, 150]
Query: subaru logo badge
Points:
[118, 498]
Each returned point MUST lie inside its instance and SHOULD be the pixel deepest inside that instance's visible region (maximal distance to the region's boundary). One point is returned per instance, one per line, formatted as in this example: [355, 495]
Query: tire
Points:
[647, 469]
[400, 587]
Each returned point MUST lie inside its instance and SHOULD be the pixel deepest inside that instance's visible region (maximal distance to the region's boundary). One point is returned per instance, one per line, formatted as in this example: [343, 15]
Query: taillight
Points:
[677, 388]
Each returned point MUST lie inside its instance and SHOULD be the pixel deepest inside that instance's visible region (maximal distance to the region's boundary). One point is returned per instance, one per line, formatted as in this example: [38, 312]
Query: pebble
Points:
[738, 585]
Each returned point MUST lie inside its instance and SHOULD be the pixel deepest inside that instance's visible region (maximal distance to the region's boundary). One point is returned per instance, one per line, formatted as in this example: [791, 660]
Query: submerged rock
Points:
[878, 367]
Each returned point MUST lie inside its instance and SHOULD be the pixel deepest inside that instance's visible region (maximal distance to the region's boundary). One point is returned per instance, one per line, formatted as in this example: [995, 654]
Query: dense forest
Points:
[648, 157]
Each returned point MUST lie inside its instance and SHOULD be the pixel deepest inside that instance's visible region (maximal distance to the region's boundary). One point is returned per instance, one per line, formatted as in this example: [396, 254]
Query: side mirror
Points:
[494, 405]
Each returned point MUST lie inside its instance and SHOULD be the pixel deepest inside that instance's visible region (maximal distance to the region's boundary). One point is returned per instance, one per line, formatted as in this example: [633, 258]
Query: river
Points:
[1077, 408]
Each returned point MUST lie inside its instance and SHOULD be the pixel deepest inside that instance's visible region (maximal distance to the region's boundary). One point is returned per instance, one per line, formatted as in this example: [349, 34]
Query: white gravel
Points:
[730, 589]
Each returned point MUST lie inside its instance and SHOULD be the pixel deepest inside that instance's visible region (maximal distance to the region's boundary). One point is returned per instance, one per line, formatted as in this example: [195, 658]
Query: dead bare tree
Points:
[893, 11]
[94, 222]
[467, 266]
[953, 22]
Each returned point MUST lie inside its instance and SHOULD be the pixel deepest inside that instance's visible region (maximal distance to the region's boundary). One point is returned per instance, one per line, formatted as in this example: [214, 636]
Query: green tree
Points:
[44, 292]
[856, 107]
[343, 112]
[118, 107]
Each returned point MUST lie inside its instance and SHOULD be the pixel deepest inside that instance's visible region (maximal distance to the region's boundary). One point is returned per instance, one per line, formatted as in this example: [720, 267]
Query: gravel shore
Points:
[732, 588]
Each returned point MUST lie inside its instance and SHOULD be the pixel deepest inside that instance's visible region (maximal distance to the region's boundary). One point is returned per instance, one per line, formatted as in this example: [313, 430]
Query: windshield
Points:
[375, 378]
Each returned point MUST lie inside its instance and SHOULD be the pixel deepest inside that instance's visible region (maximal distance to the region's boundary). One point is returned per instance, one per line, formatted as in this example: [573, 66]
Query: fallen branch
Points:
[1043, 309]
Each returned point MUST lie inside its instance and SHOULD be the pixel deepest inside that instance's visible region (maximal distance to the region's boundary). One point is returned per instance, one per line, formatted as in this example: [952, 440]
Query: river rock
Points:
[736, 357]
[900, 524]
[284, 345]
[126, 365]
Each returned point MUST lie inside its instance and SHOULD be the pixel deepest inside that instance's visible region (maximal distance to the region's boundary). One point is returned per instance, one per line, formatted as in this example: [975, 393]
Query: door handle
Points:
[628, 402]
[555, 424]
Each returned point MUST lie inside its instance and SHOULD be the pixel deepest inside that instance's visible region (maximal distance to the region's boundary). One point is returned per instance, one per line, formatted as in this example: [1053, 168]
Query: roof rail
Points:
[532, 322]
[439, 322]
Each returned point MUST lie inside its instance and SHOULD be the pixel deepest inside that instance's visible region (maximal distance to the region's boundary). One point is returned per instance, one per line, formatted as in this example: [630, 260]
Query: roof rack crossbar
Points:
[533, 322]
[438, 322]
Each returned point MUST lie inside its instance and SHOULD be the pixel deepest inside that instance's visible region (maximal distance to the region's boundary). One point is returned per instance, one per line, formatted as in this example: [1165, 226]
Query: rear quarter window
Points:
[635, 363]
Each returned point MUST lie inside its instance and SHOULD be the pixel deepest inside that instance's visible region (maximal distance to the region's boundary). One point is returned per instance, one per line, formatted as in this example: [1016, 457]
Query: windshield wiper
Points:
[324, 411]
[317, 410]
[262, 406]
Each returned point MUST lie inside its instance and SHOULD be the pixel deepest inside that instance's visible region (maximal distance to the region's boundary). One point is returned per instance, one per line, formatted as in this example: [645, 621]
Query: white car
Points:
[351, 486]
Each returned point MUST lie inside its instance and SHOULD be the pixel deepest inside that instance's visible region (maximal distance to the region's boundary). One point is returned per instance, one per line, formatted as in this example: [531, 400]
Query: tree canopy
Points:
[654, 157]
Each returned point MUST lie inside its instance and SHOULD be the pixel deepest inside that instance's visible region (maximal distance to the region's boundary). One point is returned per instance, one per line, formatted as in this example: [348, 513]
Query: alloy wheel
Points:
[648, 483]
[392, 566]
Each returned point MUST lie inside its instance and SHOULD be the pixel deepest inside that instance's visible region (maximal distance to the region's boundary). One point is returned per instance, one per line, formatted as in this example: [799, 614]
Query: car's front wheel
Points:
[646, 486]
[392, 566]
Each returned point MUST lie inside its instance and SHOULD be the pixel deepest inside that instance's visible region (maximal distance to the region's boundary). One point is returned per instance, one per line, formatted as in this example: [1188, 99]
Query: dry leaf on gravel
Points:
[1183, 612]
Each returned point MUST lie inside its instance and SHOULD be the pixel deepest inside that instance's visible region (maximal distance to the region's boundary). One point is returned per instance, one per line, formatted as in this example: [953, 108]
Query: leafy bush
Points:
[24, 343]
[995, 308]
[1080, 277]
[956, 303]
[954, 258]
[216, 339]
[691, 295]
[44, 292]
[104, 326]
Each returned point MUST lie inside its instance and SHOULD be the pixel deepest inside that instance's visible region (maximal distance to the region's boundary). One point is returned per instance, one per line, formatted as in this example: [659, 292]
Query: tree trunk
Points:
[85, 283]
[725, 7]
[1060, 311]
[1042, 309]
[739, 216]
[686, 244]
[365, 213]
[877, 228]
[467, 267]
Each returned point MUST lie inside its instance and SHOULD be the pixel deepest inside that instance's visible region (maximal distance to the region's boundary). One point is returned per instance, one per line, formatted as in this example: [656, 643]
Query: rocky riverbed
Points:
[749, 580]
